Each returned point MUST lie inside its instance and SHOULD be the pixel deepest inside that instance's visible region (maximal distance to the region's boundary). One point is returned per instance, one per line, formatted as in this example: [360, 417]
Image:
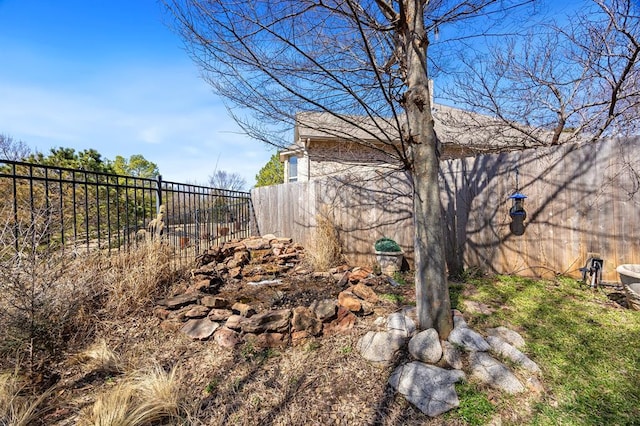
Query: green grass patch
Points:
[475, 408]
[587, 347]
[393, 298]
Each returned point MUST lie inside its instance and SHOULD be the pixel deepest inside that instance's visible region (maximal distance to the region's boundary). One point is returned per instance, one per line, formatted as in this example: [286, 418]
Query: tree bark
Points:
[432, 292]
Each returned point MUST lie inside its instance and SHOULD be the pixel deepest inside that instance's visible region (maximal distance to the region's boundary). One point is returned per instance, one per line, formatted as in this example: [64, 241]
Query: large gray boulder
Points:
[510, 336]
[380, 346]
[509, 352]
[425, 346]
[428, 387]
[492, 372]
[468, 339]
[400, 323]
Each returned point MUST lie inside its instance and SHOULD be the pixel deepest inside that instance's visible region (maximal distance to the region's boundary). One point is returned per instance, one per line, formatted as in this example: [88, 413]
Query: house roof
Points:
[462, 133]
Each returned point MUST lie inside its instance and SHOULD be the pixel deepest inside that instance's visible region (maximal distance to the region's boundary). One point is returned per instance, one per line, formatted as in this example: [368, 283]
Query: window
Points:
[293, 169]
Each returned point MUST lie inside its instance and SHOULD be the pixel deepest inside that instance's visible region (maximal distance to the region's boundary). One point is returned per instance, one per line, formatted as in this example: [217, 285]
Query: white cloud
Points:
[166, 115]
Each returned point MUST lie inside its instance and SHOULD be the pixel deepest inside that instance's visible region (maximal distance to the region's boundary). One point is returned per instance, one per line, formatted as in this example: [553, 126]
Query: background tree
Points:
[226, 180]
[87, 159]
[11, 149]
[136, 166]
[272, 173]
[362, 63]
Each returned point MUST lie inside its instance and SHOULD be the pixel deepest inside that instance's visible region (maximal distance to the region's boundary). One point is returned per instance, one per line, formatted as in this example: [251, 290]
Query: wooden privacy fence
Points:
[581, 199]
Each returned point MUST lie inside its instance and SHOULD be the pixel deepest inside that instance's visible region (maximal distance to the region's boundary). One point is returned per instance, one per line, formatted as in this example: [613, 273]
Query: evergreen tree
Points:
[272, 173]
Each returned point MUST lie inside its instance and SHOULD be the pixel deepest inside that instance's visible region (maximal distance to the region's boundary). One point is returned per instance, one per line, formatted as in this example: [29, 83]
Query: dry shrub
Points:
[149, 396]
[327, 250]
[52, 301]
[17, 407]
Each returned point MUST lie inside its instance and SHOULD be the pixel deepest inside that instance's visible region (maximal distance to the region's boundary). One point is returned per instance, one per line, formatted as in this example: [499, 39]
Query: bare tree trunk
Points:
[432, 292]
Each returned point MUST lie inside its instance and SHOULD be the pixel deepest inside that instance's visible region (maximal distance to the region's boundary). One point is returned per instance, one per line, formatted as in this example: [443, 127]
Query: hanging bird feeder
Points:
[517, 207]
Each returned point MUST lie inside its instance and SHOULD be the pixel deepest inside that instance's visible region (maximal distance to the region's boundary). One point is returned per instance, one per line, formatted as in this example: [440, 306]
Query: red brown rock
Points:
[227, 338]
[305, 320]
[359, 274]
[243, 309]
[349, 301]
[365, 292]
[345, 321]
[268, 340]
[220, 314]
[199, 329]
[269, 321]
[197, 311]
[215, 302]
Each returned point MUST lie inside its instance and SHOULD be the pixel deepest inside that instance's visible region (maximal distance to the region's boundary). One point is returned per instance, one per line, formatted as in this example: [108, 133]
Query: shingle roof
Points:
[462, 133]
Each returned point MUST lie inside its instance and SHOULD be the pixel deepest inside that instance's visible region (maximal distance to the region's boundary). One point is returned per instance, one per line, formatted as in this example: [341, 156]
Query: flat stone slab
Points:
[428, 387]
[492, 372]
[180, 301]
[199, 329]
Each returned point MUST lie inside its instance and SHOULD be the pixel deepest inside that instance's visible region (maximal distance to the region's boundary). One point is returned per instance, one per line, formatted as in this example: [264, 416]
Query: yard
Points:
[585, 343]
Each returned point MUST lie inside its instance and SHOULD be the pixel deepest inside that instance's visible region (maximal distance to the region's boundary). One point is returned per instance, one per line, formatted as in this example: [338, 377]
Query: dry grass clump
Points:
[100, 358]
[149, 396]
[134, 277]
[17, 408]
[327, 250]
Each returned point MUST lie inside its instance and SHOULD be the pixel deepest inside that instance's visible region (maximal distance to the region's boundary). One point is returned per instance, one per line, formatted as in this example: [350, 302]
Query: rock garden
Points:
[261, 291]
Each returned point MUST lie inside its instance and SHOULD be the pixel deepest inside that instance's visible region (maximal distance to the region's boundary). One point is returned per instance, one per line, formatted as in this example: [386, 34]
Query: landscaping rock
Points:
[492, 372]
[197, 311]
[349, 301]
[257, 243]
[425, 346]
[235, 322]
[199, 329]
[468, 339]
[509, 352]
[268, 340]
[305, 320]
[380, 346]
[180, 301]
[345, 320]
[220, 314]
[215, 302]
[226, 338]
[365, 292]
[401, 323]
[507, 335]
[325, 310]
[451, 355]
[243, 309]
[428, 387]
[269, 321]
[359, 274]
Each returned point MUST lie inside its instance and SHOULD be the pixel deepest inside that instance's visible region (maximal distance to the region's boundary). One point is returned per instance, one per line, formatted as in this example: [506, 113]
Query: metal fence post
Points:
[158, 193]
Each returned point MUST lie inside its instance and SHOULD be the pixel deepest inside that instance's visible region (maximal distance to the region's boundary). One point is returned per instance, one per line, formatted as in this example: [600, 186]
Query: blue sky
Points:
[110, 75]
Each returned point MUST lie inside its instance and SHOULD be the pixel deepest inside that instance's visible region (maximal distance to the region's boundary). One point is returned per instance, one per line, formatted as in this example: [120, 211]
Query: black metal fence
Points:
[84, 210]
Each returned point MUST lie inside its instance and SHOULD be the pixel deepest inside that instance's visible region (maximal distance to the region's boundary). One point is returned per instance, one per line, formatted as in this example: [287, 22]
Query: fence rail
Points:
[85, 210]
